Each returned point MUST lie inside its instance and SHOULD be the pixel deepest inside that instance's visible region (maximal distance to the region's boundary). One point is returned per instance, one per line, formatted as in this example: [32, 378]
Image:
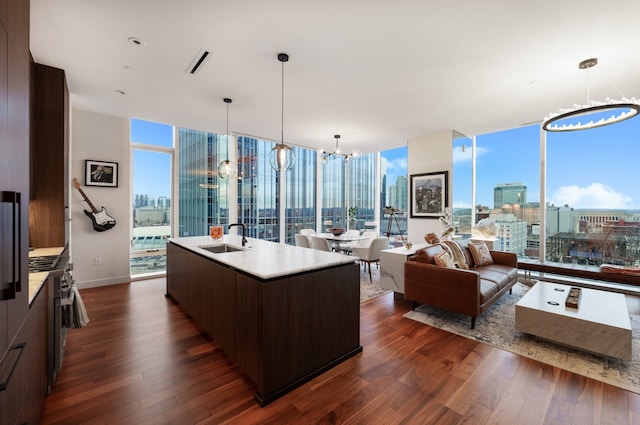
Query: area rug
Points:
[370, 290]
[496, 327]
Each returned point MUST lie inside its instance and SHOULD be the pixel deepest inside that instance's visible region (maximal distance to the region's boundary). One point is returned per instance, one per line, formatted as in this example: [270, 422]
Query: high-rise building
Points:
[510, 194]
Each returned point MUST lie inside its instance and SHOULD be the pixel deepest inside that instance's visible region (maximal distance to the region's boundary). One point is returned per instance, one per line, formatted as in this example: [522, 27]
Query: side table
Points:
[392, 266]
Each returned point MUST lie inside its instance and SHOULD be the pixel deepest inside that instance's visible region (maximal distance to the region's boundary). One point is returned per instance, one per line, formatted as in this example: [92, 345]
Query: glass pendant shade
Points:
[282, 157]
[226, 170]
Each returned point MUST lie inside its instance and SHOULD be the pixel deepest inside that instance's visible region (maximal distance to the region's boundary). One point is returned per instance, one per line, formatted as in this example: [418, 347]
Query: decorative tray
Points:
[573, 298]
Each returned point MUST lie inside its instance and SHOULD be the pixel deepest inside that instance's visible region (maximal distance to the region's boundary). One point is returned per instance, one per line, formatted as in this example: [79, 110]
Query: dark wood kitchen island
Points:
[283, 314]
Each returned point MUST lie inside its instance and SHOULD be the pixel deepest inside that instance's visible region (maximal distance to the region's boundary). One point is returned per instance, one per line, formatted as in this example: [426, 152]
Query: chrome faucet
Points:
[244, 229]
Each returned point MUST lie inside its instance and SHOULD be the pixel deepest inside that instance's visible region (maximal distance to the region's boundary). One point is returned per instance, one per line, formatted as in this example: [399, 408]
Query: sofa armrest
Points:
[452, 289]
[505, 258]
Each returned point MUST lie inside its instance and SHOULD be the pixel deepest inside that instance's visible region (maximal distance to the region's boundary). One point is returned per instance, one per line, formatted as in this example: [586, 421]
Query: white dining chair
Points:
[371, 254]
[346, 246]
[370, 236]
[307, 232]
[302, 240]
[320, 243]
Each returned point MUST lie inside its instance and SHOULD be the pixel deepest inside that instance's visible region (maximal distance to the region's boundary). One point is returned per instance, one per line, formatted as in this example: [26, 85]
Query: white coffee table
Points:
[599, 325]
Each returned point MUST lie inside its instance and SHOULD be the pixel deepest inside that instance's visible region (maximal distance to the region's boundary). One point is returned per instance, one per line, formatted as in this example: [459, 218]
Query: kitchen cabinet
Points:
[14, 173]
[21, 401]
[49, 157]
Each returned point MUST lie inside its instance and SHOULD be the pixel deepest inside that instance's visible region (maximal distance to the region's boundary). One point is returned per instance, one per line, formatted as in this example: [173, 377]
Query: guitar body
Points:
[100, 219]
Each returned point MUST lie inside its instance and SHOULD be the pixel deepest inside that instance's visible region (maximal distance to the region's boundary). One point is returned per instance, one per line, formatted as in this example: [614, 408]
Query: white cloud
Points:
[460, 157]
[397, 166]
[596, 195]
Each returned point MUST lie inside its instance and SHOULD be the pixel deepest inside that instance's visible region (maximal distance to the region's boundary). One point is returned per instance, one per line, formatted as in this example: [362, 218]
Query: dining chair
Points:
[370, 236]
[346, 246]
[302, 240]
[307, 232]
[320, 243]
[371, 254]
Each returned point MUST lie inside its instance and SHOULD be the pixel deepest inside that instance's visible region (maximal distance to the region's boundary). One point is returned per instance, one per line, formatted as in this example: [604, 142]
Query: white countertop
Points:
[264, 259]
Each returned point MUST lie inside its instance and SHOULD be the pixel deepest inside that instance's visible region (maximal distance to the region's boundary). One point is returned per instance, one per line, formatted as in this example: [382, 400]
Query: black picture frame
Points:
[100, 173]
[429, 194]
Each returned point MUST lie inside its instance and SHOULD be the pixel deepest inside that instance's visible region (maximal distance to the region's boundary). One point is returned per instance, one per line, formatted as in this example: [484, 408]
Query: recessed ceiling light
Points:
[122, 92]
[135, 41]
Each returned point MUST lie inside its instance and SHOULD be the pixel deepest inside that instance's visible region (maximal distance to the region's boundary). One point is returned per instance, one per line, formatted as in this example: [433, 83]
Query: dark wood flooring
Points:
[141, 360]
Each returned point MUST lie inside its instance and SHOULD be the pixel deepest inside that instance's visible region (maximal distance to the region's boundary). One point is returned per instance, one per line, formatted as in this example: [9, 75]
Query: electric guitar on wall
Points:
[100, 219]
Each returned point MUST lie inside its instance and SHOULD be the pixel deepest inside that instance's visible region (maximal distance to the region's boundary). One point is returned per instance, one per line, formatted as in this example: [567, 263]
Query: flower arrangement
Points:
[352, 212]
[447, 224]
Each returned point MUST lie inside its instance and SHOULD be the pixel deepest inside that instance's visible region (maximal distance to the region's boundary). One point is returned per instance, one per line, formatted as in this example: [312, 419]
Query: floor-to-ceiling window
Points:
[203, 199]
[362, 193]
[152, 155]
[462, 185]
[508, 186]
[393, 191]
[258, 190]
[301, 194]
[593, 202]
[334, 194]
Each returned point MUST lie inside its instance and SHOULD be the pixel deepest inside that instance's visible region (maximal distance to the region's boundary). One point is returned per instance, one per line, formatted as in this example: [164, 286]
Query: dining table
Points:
[338, 240]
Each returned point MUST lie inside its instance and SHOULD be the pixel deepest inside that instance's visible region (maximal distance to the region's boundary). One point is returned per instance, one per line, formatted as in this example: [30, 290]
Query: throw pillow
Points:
[444, 259]
[480, 253]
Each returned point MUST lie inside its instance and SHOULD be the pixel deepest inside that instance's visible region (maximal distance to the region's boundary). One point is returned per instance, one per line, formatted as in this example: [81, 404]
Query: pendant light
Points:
[226, 170]
[594, 114]
[336, 152]
[282, 156]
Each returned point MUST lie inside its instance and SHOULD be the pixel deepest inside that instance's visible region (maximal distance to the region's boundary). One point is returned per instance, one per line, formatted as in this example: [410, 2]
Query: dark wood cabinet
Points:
[49, 157]
[281, 332]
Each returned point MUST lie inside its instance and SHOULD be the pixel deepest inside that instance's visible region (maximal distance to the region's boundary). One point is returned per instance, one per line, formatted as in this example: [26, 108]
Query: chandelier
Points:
[226, 169]
[594, 114]
[336, 152]
[282, 156]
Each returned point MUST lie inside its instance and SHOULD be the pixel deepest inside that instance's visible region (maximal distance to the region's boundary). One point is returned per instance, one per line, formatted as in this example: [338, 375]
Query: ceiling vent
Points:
[198, 61]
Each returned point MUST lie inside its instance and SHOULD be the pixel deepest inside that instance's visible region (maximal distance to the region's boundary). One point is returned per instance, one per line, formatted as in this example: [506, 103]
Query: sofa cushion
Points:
[502, 275]
[464, 245]
[444, 259]
[480, 253]
[488, 290]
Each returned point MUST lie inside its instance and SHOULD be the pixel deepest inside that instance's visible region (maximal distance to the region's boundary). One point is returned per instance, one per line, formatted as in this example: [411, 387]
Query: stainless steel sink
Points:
[219, 249]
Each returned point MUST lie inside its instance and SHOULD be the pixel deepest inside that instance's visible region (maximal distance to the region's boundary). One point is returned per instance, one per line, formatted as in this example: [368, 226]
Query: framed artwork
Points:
[429, 194]
[100, 173]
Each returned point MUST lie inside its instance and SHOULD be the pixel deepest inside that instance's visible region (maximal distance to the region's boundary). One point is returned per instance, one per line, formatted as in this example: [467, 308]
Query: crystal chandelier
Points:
[594, 114]
[226, 168]
[336, 152]
[282, 156]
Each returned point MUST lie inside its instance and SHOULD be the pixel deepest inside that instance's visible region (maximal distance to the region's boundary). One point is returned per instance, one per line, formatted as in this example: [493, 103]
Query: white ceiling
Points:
[376, 72]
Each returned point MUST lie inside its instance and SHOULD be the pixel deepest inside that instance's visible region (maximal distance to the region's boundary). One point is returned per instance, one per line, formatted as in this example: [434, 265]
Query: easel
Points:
[392, 215]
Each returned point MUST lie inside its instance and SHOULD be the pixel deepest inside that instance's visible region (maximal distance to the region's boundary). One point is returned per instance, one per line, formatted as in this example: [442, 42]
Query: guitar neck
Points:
[93, 208]
[77, 186]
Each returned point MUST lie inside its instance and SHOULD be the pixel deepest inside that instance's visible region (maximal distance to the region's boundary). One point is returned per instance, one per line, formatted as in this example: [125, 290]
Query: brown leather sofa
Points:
[469, 292]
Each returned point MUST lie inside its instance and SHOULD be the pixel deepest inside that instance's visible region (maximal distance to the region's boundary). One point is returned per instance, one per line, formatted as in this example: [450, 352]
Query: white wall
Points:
[428, 154]
[103, 138]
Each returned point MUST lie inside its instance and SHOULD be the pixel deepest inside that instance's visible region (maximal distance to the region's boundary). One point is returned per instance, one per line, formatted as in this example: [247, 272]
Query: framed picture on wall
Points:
[100, 173]
[429, 194]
